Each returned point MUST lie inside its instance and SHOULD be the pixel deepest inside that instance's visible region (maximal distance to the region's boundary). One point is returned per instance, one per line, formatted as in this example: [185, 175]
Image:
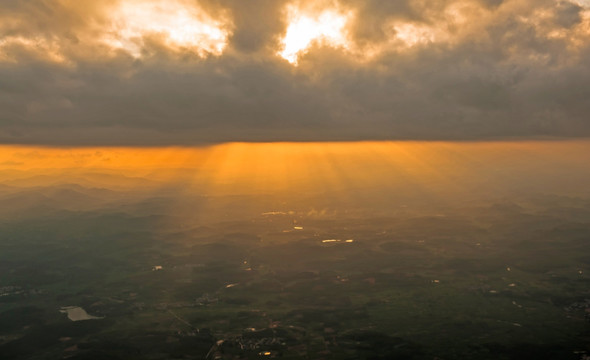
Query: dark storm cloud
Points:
[465, 70]
[568, 14]
[257, 23]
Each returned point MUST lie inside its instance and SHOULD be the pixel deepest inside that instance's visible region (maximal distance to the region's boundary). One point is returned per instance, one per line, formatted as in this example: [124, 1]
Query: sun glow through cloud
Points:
[49, 50]
[583, 3]
[411, 34]
[176, 24]
[304, 30]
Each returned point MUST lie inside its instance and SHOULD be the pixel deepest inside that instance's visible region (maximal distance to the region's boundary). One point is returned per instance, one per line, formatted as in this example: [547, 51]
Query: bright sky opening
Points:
[179, 25]
[327, 29]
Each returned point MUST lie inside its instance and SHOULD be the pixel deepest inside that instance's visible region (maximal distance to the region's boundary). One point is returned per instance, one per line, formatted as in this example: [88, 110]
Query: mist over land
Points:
[379, 250]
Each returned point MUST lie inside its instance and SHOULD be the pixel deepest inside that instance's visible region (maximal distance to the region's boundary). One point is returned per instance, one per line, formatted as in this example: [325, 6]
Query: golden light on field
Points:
[305, 29]
[175, 23]
[301, 167]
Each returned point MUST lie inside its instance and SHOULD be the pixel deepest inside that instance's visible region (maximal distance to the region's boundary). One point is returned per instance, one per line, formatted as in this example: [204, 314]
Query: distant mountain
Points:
[93, 179]
[34, 201]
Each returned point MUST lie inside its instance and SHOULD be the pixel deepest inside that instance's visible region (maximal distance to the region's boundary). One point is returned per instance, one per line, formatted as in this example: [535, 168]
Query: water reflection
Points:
[76, 313]
[337, 241]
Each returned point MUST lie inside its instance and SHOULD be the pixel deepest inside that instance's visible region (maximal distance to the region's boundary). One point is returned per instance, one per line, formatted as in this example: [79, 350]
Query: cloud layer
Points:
[149, 72]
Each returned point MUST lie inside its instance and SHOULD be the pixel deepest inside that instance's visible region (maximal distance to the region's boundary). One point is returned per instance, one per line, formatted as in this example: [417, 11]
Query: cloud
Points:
[87, 73]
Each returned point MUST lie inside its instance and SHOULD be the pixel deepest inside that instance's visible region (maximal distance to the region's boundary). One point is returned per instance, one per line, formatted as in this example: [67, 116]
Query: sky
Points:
[191, 72]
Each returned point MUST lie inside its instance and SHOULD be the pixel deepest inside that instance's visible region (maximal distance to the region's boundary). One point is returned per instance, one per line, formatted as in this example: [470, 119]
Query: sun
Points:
[326, 28]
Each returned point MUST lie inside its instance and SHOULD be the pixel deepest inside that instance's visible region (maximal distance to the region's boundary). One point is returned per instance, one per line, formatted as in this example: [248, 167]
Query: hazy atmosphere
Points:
[232, 179]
